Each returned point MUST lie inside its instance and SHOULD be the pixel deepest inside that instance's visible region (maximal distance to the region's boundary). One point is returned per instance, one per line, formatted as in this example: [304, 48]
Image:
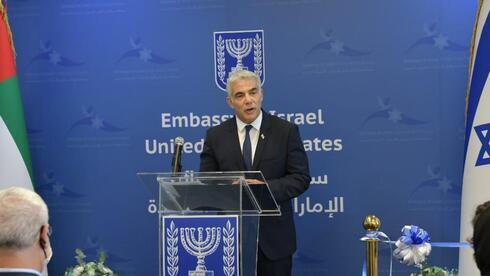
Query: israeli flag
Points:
[476, 187]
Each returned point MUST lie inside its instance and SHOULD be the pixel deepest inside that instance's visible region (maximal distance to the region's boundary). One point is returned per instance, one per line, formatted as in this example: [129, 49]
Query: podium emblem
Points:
[238, 50]
[200, 245]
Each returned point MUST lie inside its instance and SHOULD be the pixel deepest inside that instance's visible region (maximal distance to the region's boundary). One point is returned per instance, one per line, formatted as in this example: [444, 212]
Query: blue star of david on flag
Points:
[483, 132]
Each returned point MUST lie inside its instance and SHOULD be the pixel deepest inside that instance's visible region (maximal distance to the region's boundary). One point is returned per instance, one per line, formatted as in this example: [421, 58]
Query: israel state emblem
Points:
[238, 50]
[200, 245]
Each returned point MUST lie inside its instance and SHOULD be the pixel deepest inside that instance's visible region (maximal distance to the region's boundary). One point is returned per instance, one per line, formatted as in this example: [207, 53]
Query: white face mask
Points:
[49, 254]
[48, 251]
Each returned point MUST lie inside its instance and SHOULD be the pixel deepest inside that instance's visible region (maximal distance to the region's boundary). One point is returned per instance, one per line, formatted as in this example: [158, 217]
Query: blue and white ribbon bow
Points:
[413, 247]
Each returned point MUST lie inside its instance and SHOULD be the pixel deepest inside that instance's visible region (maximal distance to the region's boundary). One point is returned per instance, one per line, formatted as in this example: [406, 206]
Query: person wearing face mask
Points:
[25, 248]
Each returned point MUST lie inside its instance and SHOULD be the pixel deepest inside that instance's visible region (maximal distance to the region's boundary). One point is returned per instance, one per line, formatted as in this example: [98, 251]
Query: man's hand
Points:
[250, 182]
[254, 182]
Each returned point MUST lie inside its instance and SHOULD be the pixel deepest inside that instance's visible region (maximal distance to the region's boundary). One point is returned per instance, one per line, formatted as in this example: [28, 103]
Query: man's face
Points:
[246, 99]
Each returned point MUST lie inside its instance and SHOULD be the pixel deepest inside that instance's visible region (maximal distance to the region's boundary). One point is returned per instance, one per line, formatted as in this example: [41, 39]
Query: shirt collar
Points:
[18, 270]
[256, 124]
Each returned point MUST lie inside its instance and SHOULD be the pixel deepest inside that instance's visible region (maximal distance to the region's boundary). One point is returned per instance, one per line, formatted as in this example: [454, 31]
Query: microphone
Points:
[176, 159]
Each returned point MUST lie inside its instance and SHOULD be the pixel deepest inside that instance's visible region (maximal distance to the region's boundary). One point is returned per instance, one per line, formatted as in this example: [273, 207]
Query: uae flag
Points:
[476, 176]
[15, 160]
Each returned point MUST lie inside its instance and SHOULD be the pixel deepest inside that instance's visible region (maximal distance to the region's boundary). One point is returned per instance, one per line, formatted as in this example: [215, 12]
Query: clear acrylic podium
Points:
[245, 195]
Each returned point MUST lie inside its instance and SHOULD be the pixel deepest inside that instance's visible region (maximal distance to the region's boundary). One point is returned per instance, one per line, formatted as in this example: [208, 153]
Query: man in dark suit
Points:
[255, 140]
[24, 233]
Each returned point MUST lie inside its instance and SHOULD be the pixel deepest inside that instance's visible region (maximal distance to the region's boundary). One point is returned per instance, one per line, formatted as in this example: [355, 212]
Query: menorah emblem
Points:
[200, 247]
[239, 48]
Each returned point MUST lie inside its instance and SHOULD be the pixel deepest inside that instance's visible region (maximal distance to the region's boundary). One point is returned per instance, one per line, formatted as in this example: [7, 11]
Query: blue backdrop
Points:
[107, 85]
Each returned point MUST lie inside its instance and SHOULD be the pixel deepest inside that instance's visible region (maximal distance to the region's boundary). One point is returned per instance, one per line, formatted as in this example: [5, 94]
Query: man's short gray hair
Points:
[22, 214]
[241, 75]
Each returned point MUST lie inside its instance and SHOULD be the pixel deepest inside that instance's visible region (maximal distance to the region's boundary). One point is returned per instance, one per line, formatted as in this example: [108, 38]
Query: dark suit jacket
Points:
[281, 157]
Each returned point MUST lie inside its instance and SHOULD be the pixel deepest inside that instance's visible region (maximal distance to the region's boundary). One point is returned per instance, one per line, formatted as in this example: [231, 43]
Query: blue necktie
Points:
[247, 149]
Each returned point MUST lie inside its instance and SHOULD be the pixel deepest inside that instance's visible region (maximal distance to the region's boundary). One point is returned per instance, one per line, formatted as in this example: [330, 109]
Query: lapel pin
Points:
[262, 136]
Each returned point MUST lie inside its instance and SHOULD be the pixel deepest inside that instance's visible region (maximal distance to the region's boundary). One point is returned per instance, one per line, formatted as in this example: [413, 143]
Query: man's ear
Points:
[228, 101]
[44, 236]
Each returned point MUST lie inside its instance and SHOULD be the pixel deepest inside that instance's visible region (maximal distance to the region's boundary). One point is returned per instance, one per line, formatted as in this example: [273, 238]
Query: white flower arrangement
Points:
[89, 268]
